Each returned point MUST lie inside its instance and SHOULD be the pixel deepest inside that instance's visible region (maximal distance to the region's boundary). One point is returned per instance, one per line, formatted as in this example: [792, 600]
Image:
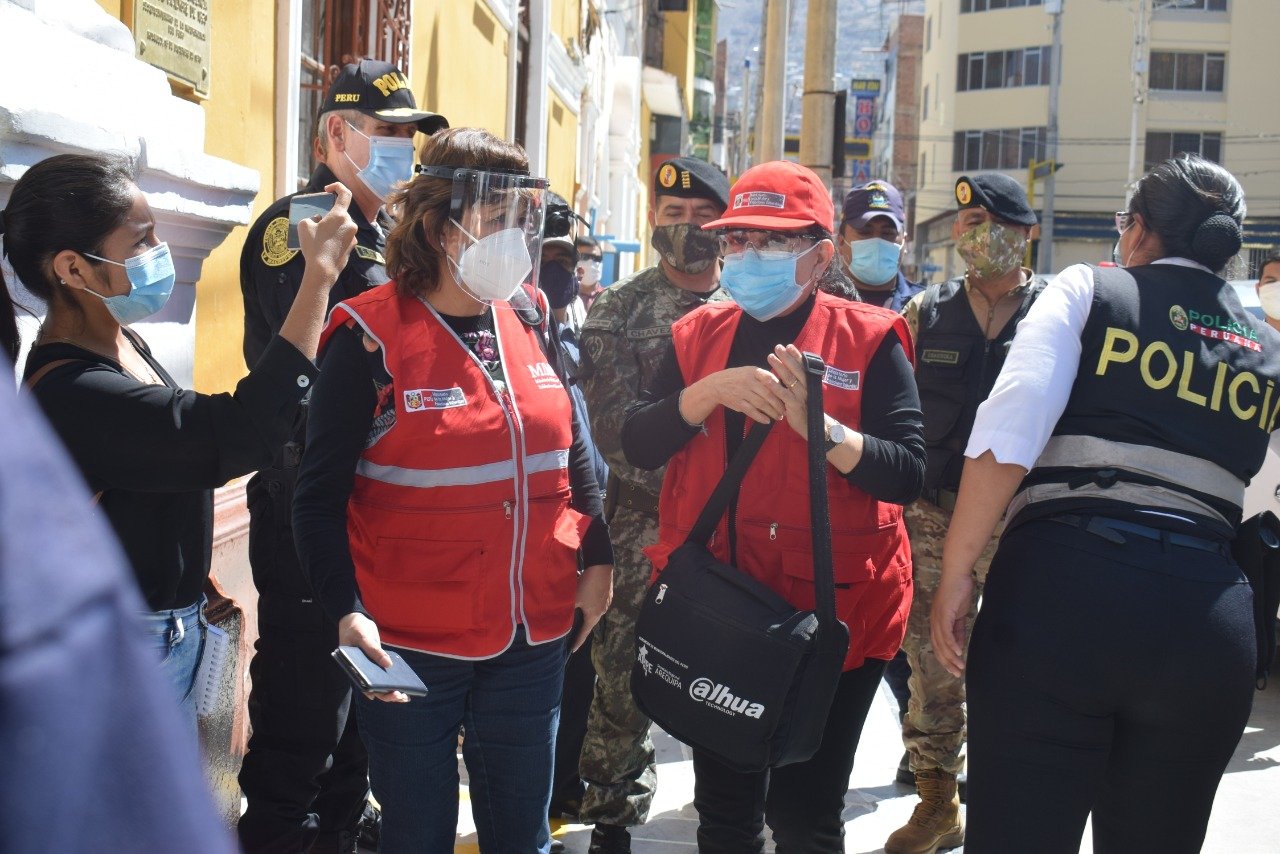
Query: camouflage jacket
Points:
[624, 339]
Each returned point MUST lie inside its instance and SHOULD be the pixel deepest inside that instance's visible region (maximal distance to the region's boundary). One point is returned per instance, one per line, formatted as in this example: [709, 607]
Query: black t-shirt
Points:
[156, 452]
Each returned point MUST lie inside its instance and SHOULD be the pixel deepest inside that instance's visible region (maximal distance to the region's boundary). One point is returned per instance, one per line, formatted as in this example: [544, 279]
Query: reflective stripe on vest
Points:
[1092, 453]
[464, 475]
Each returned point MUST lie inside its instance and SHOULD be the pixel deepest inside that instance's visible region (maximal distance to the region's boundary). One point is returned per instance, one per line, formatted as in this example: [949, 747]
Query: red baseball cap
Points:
[778, 195]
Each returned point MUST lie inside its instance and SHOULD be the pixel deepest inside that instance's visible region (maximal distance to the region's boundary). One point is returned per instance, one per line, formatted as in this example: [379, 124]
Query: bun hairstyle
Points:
[1195, 207]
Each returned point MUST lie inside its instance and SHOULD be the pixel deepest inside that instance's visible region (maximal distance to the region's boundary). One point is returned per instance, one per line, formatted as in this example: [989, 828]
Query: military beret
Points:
[996, 193]
[691, 178]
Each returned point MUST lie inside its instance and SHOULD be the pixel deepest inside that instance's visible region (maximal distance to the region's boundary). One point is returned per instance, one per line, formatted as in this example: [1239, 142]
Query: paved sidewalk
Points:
[1246, 817]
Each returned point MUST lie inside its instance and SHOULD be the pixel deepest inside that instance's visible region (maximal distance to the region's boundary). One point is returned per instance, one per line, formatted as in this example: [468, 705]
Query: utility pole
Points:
[1141, 20]
[817, 123]
[743, 159]
[1054, 8]
[770, 126]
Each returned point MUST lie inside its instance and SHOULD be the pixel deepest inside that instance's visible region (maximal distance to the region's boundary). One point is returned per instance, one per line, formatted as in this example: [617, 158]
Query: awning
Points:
[662, 93]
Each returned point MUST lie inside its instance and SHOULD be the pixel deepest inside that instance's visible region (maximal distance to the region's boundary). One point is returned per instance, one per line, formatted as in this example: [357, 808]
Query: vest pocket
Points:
[427, 584]
[851, 571]
[550, 570]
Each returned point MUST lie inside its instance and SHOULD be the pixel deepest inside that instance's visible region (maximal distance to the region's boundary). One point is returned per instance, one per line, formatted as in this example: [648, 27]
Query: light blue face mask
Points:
[151, 277]
[390, 163]
[874, 261]
[763, 283]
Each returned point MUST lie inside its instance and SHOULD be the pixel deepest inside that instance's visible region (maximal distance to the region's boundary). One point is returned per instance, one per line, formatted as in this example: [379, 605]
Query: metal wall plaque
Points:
[174, 35]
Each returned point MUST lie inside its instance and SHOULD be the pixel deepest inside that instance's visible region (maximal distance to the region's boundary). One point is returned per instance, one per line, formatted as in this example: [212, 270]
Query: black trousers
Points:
[1106, 678]
[306, 774]
[801, 802]
[575, 702]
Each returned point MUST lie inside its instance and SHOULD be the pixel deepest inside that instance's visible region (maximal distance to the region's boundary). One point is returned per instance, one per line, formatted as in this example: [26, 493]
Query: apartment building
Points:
[1147, 78]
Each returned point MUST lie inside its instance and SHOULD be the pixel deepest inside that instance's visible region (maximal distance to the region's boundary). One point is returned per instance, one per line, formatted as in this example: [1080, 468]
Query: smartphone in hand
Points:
[371, 677]
[303, 207]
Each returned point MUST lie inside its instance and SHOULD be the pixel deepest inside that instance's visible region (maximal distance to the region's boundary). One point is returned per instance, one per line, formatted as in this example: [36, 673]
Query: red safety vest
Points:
[459, 517]
[872, 565]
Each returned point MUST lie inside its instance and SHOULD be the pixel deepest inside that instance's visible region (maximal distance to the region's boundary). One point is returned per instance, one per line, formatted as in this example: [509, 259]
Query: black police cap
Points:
[998, 194]
[381, 90]
[691, 178]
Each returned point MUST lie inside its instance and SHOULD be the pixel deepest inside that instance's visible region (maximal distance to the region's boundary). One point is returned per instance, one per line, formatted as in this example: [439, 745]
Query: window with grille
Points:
[1164, 144]
[1010, 148]
[988, 5]
[336, 33]
[1188, 72]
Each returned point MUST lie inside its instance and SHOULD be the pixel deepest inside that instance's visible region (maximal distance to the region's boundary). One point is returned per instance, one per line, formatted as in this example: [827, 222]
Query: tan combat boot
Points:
[936, 823]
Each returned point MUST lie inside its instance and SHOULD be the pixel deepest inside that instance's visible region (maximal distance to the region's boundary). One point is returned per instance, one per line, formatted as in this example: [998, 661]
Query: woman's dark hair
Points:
[70, 201]
[1195, 207]
[1272, 257]
[414, 247]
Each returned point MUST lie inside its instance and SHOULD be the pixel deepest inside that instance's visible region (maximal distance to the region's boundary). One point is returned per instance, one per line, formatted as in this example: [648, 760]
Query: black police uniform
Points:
[305, 775]
[1114, 651]
[956, 368]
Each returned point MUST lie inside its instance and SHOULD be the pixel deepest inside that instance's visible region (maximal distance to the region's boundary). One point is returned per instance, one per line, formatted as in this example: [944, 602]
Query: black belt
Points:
[1113, 530]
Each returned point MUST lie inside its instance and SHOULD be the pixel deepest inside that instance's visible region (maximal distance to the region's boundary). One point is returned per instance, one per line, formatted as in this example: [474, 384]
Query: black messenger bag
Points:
[724, 663]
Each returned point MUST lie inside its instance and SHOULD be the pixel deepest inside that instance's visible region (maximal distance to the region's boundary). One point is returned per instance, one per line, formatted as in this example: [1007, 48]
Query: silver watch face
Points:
[835, 434]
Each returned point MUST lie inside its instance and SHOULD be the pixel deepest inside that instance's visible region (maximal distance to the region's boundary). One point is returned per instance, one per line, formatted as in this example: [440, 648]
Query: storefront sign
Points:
[174, 35]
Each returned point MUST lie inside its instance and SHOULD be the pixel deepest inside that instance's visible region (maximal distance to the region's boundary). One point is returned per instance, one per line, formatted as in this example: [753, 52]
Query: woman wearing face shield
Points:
[732, 363]
[446, 498]
[81, 237]
[1111, 665]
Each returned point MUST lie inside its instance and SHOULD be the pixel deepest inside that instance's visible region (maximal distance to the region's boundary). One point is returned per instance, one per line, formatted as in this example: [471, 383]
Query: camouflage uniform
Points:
[933, 730]
[624, 339]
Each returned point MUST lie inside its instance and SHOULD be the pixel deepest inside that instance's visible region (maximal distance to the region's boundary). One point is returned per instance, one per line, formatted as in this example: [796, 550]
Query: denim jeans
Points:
[178, 636]
[509, 706]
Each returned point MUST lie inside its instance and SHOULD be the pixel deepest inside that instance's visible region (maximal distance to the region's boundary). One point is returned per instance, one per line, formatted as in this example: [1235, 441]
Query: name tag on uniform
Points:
[422, 399]
[370, 255]
[848, 380]
[940, 357]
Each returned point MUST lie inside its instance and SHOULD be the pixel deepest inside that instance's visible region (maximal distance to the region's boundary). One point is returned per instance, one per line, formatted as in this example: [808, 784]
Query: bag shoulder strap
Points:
[718, 502]
[819, 506]
[32, 381]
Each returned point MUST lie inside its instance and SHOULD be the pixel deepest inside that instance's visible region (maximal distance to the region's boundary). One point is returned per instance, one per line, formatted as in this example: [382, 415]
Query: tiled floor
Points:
[1246, 818]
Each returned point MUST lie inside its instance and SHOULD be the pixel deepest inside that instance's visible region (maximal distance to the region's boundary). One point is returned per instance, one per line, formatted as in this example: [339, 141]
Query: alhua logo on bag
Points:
[721, 698]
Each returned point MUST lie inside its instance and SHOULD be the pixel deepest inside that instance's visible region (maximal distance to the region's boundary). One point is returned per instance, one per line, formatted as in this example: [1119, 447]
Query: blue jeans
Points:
[510, 707]
[178, 637]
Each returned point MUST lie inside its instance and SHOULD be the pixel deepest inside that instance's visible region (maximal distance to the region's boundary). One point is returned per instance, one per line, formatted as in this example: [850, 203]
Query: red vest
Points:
[459, 517]
[872, 565]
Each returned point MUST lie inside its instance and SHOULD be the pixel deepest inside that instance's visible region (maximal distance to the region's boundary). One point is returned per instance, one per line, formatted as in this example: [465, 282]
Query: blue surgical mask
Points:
[390, 163]
[151, 277]
[874, 261]
[763, 283]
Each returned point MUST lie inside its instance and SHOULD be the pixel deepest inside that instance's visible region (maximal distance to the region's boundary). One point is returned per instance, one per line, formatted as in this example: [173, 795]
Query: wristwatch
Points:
[835, 433]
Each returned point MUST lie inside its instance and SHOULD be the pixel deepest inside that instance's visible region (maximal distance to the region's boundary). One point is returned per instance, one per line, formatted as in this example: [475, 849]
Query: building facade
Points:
[1142, 76]
[896, 143]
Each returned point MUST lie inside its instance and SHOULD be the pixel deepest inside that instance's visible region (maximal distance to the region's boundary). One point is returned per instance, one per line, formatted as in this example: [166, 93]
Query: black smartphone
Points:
[303, 207]
[371, 677]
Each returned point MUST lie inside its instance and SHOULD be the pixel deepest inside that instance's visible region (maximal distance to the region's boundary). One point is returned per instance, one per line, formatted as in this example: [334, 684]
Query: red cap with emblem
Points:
[778, 195]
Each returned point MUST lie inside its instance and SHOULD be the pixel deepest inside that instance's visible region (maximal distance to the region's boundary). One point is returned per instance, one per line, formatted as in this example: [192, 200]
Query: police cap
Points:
[691, 178]
[996, 193]
[381, 90]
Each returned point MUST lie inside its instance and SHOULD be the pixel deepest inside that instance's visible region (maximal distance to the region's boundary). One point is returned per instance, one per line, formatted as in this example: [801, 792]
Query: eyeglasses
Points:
[590, 257]
[1123, 218]
[735, 240]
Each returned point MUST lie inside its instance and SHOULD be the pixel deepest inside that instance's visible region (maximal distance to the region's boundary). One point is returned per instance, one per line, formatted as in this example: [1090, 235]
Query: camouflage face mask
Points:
[686, 247]
[991, 250]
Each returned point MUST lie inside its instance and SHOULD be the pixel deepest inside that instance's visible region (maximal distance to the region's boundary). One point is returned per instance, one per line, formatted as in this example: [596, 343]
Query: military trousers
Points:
[934, 727]
[618, 761]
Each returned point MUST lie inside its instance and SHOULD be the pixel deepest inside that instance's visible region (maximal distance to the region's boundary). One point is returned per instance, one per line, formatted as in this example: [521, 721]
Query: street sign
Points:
[866, 85]
[862, 126]
[866, 106]
[861, 171]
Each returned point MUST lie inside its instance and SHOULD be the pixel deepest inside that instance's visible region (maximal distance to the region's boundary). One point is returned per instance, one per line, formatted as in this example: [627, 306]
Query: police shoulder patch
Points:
[275, 243]
[370, 255]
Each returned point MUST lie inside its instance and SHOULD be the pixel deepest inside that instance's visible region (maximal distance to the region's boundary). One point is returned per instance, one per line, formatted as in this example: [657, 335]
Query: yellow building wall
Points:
[565, 15]
[458, 64]
[562, 147]
[678, 50]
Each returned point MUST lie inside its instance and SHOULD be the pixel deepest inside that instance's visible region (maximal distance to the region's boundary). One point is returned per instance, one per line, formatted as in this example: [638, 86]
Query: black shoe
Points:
[905, 775]
[557, 847]
[369, 830]
[610, 839]
[565, 808]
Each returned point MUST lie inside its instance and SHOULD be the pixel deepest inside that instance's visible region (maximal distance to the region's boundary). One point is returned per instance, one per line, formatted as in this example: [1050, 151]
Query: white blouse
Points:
[1017, 419]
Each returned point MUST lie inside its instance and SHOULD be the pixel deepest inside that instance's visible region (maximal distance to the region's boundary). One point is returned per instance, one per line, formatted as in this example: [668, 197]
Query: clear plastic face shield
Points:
[498, 217]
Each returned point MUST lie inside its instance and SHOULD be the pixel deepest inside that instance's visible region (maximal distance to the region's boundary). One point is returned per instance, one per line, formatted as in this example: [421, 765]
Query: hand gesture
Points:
[751, 391]
[595, 592]
[355, 629]
[327, 241]
[788, 384]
